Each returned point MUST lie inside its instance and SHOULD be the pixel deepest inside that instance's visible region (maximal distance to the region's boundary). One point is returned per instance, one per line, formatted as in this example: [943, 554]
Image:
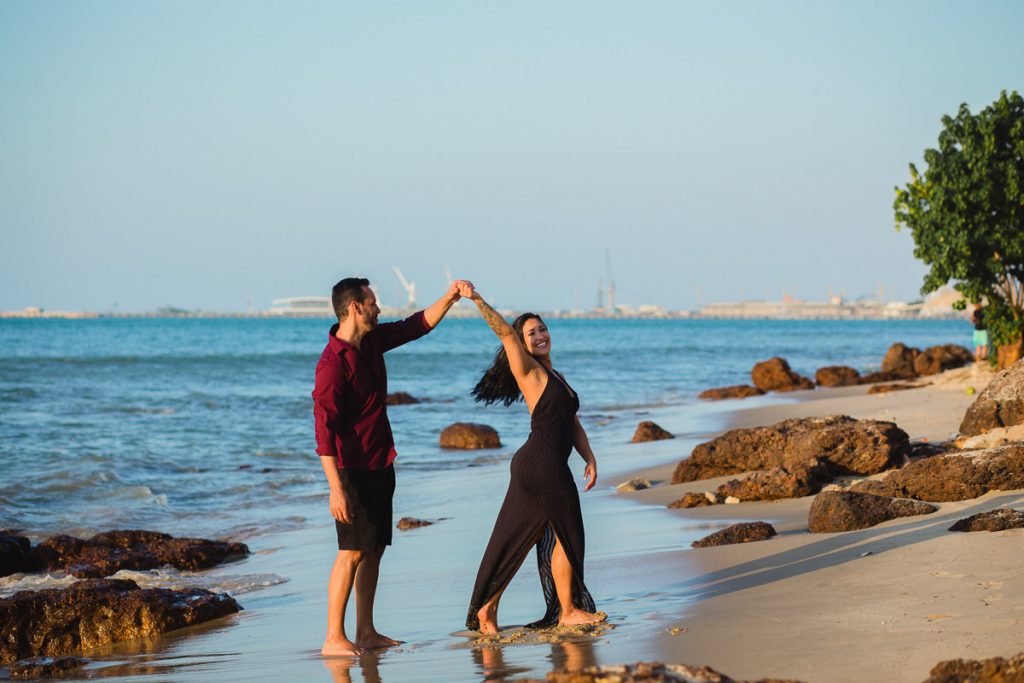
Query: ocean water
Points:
[204, 426]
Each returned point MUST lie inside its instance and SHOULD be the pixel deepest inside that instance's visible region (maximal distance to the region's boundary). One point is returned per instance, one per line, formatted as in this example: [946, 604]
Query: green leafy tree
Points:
[966, 212]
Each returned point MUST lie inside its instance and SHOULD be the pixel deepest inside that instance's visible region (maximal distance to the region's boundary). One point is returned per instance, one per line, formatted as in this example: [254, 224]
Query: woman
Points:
[541, 506]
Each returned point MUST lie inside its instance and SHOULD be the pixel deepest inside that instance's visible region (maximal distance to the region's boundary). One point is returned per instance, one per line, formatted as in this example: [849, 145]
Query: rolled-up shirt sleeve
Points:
[325, 409]
[395, 334]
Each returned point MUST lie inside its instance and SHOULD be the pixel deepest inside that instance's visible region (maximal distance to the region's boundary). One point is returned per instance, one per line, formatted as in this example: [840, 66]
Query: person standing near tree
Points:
[357, 449]
[980, 334]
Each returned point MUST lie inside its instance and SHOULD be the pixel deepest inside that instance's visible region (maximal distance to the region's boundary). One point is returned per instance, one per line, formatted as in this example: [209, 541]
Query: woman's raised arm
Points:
[525, 367]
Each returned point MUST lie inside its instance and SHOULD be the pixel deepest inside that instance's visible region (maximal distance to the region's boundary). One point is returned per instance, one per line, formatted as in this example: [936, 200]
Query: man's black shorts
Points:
[369, 493]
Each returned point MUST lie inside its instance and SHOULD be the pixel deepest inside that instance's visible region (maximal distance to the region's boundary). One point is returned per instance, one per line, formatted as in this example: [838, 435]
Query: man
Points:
[356, 448]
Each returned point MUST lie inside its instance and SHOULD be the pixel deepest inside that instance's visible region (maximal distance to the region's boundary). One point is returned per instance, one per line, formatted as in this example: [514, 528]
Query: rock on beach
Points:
[14, 553]
[745, 532]
[959, 475]
[649, 431]
[836, 376]
[401, 398]
[999, 519]
[96, 612]
[469, 436]
[734, 391]
[994, 670]
[775, 374]
[845, 445]
[1001, 404]
[406, 523]
[107, 553]
[834, 511]
[793, 481]
[44, 667]
[936, 359]
[899, 361]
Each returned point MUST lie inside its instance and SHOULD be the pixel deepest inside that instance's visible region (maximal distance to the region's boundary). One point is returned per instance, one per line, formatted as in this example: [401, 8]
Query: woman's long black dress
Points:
[541, 501]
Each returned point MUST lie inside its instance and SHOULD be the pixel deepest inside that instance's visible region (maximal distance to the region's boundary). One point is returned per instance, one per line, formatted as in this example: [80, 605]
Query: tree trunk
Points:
[1008, 354]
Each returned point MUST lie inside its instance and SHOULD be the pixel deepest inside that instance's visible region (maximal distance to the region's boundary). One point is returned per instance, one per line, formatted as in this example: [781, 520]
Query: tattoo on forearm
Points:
[494, 320]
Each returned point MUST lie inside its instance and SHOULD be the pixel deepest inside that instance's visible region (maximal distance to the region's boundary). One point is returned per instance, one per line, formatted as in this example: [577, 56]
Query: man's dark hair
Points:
[345, 292]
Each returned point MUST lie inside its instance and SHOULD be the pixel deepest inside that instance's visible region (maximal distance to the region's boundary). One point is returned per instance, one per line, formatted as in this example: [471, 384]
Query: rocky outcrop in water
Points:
[959, 475]
[96, 612]
[1000, 519]
[1001, 404]
[44, 667]
[107, 553]
[469, 436]
[995, 670]
[14, 550]
[836, 376]
[649, 431]
[734, 391]
[695, 500]
[834, 511]
[775, 374]
[745, 532]
[845, 445]
[406, 523]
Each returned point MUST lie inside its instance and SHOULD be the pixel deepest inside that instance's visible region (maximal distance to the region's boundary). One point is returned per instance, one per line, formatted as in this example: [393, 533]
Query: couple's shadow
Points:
[489, 661]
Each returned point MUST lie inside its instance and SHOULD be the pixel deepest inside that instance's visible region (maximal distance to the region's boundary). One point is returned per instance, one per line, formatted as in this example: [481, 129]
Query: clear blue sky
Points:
[197, 153]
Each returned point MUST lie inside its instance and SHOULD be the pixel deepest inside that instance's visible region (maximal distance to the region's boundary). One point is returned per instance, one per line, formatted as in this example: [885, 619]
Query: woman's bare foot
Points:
[341, 647]
[578, 617]
[488, 617]
[372, 641]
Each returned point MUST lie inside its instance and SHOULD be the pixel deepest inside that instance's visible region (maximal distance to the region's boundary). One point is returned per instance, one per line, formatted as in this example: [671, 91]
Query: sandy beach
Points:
[884, 603]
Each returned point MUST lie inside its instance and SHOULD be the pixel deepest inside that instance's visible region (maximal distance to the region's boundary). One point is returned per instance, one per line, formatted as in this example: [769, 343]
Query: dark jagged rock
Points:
[400, 398]
[836, 376]
[746, 532]
[734, 391]
[936, 359]
[876, 377]
[1000, 519]
[848, 510]
[406, 523]
[899, 361]
[775, 483]
[1001, 404]
[107, 553]
[959, 475]
[886, 388]
[44, 667]
[774, 374]
[644, 672]
[847, 446]
[693, 500]
[14, 553]
[995, 670]
[469, 436]
[649, 431]
[95, 612]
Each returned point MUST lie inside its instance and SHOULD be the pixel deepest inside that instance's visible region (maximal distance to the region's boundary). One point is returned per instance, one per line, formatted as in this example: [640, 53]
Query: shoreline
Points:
[884, 603]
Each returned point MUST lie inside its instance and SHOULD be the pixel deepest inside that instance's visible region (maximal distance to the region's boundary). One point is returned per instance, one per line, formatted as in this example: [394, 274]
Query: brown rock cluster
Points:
[848, 510]
[1000, 519]
[836, 376]
[469, 436]
[44, 667]
[694, 500]
[1001, 404]
[107, 553]
[907, 363]
[745, 532]
[795, 480]
[899, 361]
[98, 612]
[14, 553]
[401, 398]
[649, 431]
[959, 475]
[644, 672]
[406, 523]
[735, 391]
[775, 374]
[845, 445]
[995, 670]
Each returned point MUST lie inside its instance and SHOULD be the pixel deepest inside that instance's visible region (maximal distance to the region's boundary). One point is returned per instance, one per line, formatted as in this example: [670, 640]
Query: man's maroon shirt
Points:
[350, 395]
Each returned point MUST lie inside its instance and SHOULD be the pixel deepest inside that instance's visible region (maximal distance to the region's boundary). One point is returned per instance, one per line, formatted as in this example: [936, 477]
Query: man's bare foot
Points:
[372, 641]
[578, 617]
[341, 647]
[488, 617]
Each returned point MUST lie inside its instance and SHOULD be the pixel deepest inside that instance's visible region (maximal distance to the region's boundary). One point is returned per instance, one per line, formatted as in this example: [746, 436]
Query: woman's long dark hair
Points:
[497, 383]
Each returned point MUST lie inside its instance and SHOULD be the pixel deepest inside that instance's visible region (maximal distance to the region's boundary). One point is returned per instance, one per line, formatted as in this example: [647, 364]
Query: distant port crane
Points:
[410, 289]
